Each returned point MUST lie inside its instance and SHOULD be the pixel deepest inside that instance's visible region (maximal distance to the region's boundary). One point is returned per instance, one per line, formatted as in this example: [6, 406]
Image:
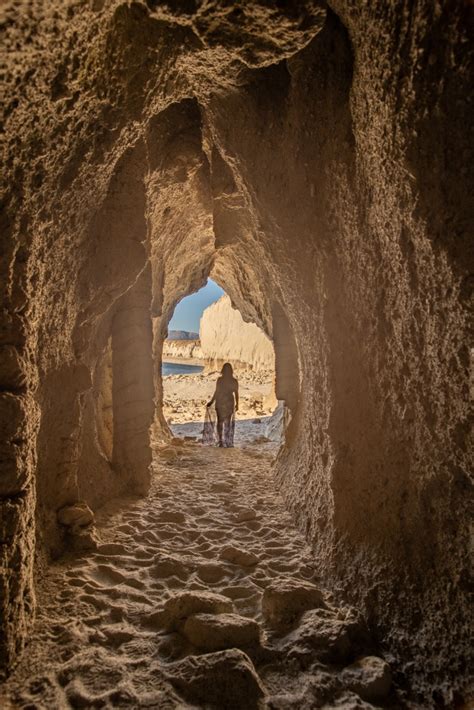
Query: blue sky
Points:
[188, 312]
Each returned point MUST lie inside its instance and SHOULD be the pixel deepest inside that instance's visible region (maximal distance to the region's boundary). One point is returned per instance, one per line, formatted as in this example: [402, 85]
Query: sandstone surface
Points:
[217, 632]
[182, 349]
[316, 161]
[285, 599]
[328, 636]
[179, 607]
[226, 679]
[78, 514]
[369, 677]
[239, 556]
[226, 337]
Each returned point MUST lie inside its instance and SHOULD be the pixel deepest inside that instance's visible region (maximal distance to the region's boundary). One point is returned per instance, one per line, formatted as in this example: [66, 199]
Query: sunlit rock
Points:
[180, 606]
[225, 337]
[239, 556]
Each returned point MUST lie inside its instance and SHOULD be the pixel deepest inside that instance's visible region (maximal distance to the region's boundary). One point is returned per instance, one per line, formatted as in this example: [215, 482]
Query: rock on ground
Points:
[78, 514]
[238, 556]
[284, 600]
[370, 677]
[180, 606]
[327, 635]
[215, 632]
[226, 679]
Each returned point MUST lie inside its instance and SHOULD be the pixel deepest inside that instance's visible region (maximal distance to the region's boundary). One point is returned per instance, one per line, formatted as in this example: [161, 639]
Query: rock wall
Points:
[133, 386]
[316, 163]
[225, 336]
[103, 399]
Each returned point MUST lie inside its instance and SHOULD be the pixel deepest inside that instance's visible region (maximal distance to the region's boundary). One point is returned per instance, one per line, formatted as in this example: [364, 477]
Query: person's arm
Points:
[236, 395]
[211, 401]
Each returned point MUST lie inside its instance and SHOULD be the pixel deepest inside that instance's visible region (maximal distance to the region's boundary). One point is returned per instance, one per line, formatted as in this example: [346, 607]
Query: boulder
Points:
[77, 515]
[216, 632]
[238, 556]
[285, 599]
[180, 606]
[226, 679]
[169, 566]
[276, 425]
[83, 539]
[370, 677]
[326, 635]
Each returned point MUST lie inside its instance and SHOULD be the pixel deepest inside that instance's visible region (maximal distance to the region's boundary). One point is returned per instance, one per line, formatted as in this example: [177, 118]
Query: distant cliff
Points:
[188, 349]
[225, 336]
[182, 335]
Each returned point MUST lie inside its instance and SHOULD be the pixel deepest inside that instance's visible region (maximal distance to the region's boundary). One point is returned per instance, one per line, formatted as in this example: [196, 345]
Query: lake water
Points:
[175, 368]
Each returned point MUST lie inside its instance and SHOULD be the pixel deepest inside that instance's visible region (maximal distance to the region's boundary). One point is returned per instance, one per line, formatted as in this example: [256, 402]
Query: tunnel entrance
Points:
[205, 332]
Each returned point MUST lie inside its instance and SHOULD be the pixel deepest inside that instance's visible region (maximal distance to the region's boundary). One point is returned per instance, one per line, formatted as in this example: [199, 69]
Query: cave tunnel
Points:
[315, 160]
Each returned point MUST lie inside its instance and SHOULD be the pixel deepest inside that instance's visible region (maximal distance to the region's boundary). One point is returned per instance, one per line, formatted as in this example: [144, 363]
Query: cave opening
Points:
[204, 332]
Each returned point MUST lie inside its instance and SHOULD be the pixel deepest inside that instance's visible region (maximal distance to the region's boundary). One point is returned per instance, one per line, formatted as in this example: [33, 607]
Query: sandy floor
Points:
[212, 523]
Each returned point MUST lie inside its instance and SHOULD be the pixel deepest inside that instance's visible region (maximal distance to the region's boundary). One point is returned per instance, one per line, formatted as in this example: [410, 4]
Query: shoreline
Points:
[210, 367]
[184, 361]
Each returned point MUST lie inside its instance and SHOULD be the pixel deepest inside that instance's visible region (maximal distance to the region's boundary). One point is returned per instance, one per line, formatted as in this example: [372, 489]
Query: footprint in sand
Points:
[171, 516]
[126, 528]
[99, 604]
[240, 592]
[112, 548]
[165, 566]
[107, 575]
[163, 534]
[77, 581]
[211, 573]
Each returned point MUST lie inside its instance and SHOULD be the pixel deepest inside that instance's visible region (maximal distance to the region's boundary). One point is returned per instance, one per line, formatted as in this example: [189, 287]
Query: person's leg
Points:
[219, 430]
[231, 430]
[226, 423]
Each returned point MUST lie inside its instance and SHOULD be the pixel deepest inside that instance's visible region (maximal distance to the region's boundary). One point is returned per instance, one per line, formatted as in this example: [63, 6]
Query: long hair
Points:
[227, 370]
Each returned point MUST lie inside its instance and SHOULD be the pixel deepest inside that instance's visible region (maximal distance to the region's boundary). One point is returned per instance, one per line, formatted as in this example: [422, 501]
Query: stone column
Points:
[287, 378]
[133, 387]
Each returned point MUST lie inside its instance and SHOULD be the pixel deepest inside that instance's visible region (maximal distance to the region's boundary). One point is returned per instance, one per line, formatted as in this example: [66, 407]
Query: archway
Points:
[222, 336]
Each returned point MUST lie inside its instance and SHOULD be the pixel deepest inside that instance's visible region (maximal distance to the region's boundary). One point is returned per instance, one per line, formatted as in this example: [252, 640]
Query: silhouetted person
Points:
[226, 398]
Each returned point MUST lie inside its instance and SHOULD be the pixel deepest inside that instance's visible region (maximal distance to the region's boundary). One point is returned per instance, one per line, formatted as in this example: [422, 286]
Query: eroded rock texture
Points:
[225, 336]
[315, 161]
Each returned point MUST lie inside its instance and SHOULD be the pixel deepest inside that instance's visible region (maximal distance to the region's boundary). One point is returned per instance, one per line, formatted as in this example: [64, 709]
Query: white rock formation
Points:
[189, 349]
[225, 336]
